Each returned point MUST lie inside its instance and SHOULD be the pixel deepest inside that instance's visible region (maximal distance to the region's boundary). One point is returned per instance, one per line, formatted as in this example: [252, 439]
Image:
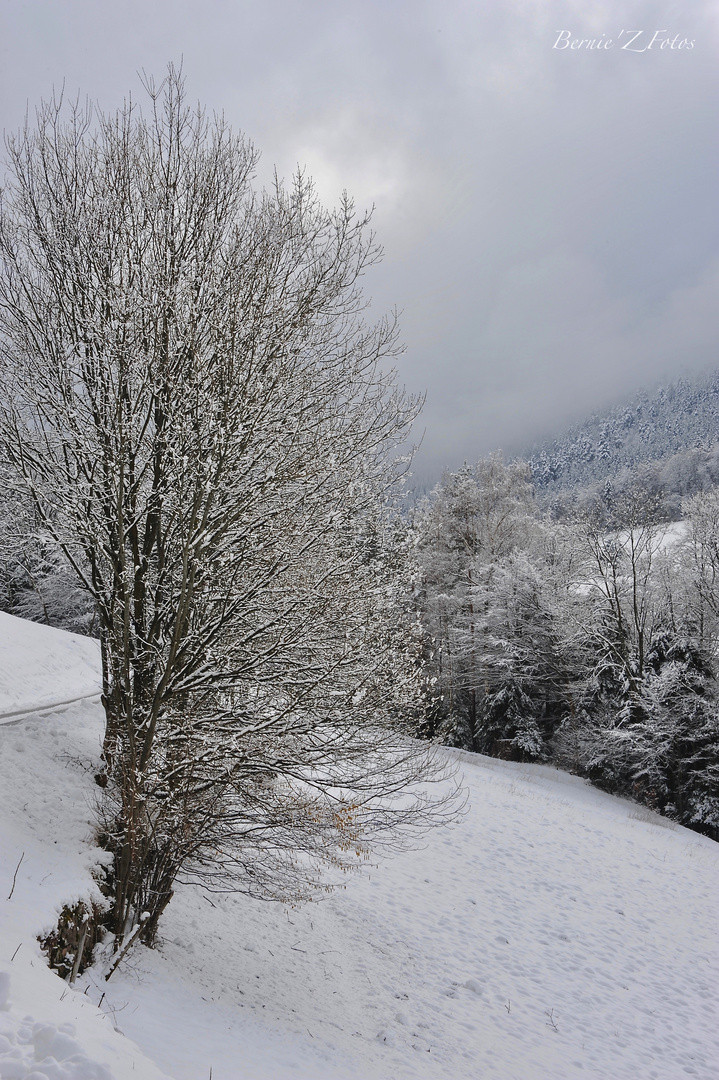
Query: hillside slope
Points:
[552, 932]
[47, 760]
[40, 666]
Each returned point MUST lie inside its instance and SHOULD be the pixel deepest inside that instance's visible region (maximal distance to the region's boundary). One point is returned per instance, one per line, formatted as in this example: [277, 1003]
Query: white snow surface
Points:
[40, 666]
[552, 932]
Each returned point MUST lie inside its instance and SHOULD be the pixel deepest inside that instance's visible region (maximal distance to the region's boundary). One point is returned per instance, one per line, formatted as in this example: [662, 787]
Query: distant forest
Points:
[670, 437]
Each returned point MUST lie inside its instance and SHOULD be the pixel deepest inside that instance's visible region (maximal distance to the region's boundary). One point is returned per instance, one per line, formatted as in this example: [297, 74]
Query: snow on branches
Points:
[206, 426]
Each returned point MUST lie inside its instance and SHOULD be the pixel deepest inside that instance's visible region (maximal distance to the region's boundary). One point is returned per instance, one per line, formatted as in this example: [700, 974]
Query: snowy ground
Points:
[553, 933]
[39, 665]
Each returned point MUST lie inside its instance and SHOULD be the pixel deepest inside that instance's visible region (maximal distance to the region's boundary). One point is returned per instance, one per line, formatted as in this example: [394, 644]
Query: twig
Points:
[14, 877]
[125, 948]
[552, 1022]
[16, 952]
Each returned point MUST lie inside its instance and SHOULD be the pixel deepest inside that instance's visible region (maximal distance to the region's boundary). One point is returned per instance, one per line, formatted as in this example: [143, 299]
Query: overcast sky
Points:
[550, 215]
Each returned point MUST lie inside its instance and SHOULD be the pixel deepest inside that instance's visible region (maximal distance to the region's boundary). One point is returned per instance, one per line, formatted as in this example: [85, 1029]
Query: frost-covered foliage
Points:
[35, 580]
[489, 635]
[593, 643]
[206, 427]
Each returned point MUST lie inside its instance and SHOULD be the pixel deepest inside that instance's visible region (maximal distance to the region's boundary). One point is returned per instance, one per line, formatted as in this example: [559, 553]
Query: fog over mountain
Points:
[673, 431]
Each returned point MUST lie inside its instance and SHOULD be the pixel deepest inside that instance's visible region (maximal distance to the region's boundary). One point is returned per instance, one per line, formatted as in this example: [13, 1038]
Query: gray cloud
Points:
[549, 215]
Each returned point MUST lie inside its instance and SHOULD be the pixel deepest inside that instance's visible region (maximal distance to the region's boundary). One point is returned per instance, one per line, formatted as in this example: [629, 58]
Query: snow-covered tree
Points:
[206, 426]
[523, 670]
[35, 580]
[702, 516]
[474, 519]
[675, 751]
[622, 542]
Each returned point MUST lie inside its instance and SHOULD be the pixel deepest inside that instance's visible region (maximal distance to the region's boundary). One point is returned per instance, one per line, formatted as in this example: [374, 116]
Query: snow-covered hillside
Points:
[553, 932]
[41, 666]
[47, 794]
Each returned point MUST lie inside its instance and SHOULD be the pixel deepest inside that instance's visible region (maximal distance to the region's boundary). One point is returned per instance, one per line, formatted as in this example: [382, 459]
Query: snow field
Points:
[49, 1031]
[41, 666]
[552, 933]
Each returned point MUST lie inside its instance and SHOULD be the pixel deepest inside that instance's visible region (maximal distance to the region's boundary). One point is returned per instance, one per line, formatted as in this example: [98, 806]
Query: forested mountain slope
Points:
[674, 428]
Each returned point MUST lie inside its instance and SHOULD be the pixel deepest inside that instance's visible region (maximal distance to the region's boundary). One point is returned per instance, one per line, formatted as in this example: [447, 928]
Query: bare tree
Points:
[207, 428]
[702, 514]
[622, 555]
